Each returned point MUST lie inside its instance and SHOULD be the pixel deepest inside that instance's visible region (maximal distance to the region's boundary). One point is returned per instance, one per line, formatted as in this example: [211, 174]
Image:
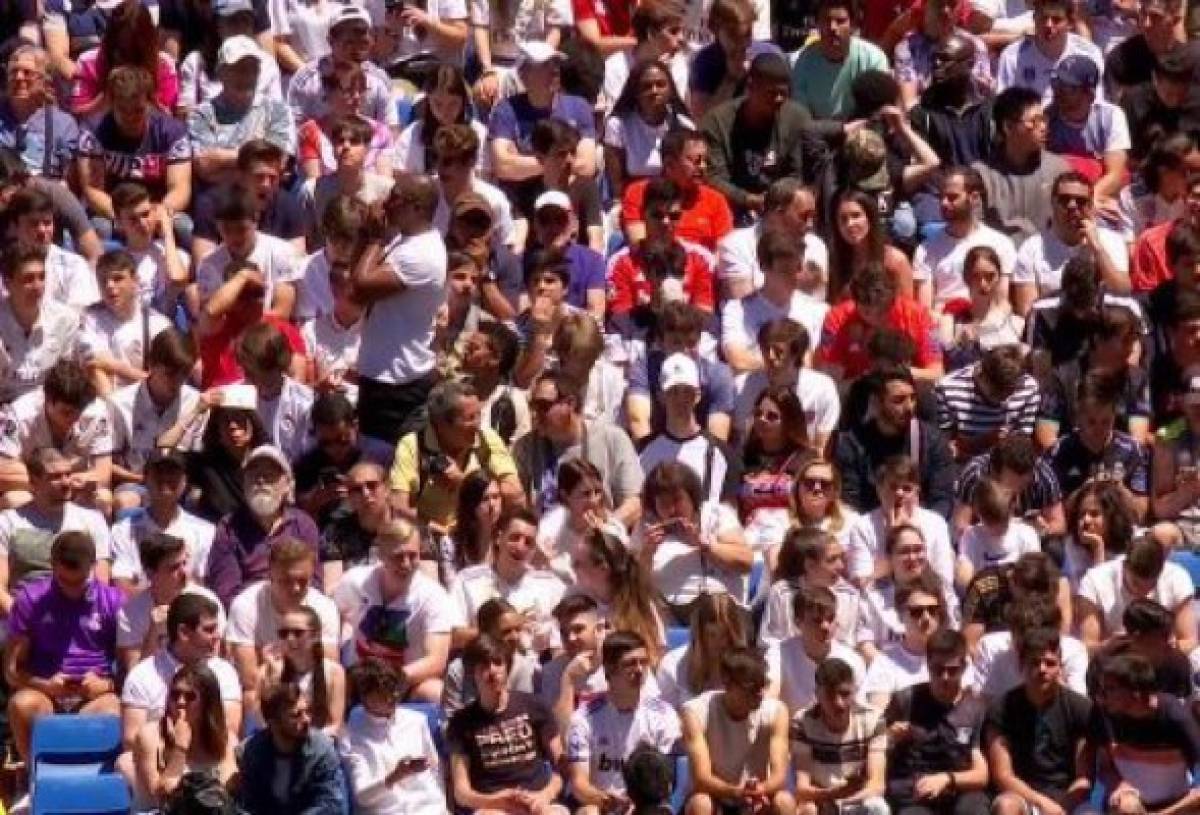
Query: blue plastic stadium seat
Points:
[74, 745]
[677, 636]
[81, 795]
[683, 783]
[1190, 561]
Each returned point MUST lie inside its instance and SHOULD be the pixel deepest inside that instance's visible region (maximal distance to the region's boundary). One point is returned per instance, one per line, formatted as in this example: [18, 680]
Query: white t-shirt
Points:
[796, 671]
[640, 141]
[286, 417]
[106, 333]
[603, 737]
[254, 621]
[1042, 258]
[616, 72]
[981, 549]
[864, 545]
[881, 623]
[306, 23]
[397, 333]
[529, 21]
[682, 573]
[276, 259]
[408, 153]
[1104, 587]
[940, 260]
[894, 669]
[334, 350]
[26, 358]
[152, 274]
[411, 42]
[314, 296]
[371, 747]
[536, 592]
[818, 395]
[779, 617]
[422, 610]
[741, 319]
[1023, 64]
[997, 668]
[737, 256]
[147, 684]
[502, 219]
[69, 278]
[698, 452]
[1106, 130]
[24, 429]
[128, 533]
[137, 422]
[75, 519]
[133, 619]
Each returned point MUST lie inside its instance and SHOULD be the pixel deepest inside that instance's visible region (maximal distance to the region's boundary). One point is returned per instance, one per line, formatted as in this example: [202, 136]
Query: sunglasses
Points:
[946, 670]
[183, 695]
[366, 488]
[917, 612]
[541, 405]
[670, 214]
[817, 484]
[288, 633]
[768, 415]
[1081, 201]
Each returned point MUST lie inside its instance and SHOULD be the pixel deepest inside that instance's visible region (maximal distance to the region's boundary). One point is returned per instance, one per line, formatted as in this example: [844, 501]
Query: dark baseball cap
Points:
[1077, 71]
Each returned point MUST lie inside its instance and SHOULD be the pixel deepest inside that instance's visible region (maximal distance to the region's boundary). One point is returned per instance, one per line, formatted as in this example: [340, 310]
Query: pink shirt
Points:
[88, 85]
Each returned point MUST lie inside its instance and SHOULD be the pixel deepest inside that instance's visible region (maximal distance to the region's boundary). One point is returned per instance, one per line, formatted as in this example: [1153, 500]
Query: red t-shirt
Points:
[615, 17]
[1149, 265]
[845, 335]
[218, 352]
[706, 218]
[628, 286]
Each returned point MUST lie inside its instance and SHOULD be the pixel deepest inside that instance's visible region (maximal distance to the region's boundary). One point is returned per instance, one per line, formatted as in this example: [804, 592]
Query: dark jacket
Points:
[316, 786]
[863, 448]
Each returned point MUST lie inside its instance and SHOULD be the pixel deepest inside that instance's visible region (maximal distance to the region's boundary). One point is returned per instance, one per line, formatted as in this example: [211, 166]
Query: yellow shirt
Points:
[434, 500]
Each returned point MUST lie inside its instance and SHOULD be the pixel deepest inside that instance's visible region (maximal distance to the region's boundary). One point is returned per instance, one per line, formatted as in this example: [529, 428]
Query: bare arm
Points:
[509, 165]
[373, 279]
[703, 778]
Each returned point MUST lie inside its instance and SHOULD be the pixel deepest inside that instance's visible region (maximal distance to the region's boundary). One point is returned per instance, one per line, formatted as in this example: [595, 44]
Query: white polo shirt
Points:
[137, 422]
[25, 359]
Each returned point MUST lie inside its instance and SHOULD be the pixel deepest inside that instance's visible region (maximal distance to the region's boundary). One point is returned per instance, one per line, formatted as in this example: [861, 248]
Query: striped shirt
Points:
[964, 412]
[1043, 490]
[837, 757]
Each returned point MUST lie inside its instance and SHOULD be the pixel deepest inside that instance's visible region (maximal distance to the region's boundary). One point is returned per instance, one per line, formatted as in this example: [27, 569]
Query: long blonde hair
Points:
[835, 514]
[631, 606]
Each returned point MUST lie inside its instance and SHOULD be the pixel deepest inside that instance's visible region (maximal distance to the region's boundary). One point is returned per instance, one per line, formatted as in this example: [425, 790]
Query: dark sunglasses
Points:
[288, 633]
[1082, 201]
[817, 484]
[184, 695]
[916, 612]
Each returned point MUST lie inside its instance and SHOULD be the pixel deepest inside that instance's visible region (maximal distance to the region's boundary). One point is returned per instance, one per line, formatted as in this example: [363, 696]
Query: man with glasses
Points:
[560, 431]
[399, 614]
[401, 275]
[192, 627]
[68, 606]
[256, 614]
[936, 765]
[348, 539]
[737, 742]
[245, 539]
[604, 733]
[950, 116]
[1073, 229]
[1036, 734]
[707, 217]
[662, 267]
[28, 116]
[1018, 171]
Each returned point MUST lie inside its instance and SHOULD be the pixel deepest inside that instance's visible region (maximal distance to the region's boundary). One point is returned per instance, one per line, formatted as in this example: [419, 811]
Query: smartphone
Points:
[414, 764]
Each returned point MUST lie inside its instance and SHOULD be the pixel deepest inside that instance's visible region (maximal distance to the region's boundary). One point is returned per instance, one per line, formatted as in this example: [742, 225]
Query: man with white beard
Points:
[244, 538]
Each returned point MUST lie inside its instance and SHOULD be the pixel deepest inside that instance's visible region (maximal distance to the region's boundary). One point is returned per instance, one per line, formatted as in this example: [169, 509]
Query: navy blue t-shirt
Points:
[142, 158]
[515, 117]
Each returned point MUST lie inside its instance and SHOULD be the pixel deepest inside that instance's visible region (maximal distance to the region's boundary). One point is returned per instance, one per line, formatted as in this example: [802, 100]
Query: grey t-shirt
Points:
[604, 445]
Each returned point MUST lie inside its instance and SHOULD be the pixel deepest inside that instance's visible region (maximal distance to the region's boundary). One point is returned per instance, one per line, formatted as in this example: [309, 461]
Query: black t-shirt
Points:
[1041, 742]
[1149, 118]
[987, 598]
[344, 538]
[184, 17]
[1059, 395]
[943, 737]
[1130, 63]
[1168, 737]
[283, 218]
[504, 749]
[1172, 676]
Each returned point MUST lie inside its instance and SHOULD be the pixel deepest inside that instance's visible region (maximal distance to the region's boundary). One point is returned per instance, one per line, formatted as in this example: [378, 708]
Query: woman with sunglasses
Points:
[816, 501]
[447, 101]
[813, 558]
[648, 108]
[776, 447]
[607, 572]
[582, 510]
[907, 559]
[191, 737]
[299, 658]
[901, 664]
[718, 624]
[315, 144]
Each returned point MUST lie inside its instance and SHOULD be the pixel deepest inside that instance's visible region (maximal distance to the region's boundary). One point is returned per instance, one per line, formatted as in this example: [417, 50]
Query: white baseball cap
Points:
[535, 52]
[241, 396]
[552, 198]
[679, 369]
[350, 13]
[235, 49]
[268, 452]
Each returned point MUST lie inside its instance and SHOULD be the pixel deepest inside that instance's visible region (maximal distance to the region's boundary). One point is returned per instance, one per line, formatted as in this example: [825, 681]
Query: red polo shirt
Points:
[845, 335]
[706, 219]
